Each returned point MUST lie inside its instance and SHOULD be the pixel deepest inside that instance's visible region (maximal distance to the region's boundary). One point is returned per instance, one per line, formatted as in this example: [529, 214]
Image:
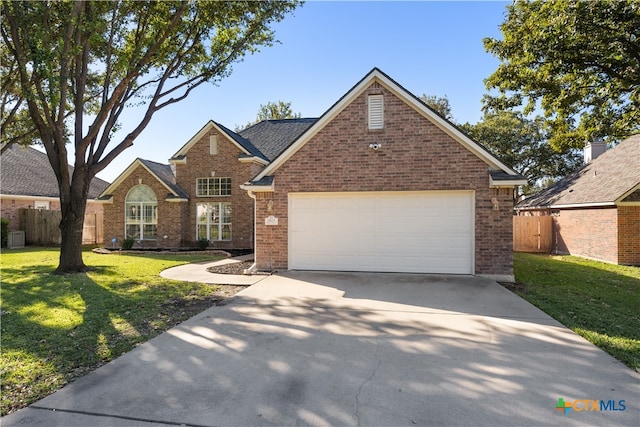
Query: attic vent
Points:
[376, 112]
[213, 145]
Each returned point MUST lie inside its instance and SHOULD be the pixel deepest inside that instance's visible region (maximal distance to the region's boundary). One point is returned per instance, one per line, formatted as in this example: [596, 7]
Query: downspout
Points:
[253, 266]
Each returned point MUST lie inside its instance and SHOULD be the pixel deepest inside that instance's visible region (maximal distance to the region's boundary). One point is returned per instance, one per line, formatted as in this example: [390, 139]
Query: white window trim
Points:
[220, 186]
[140, 223]
[210, 225]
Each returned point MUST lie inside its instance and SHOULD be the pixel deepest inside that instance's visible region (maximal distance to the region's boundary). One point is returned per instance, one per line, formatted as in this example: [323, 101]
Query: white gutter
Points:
[253, 266]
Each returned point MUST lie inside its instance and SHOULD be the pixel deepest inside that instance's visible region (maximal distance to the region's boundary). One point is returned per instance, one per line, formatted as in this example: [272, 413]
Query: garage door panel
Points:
[425, 232]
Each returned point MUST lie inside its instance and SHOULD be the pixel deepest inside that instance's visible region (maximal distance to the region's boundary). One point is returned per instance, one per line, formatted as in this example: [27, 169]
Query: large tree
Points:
[522, 144]
[579, 61]
[272, 111]
[439, 104]
[77, 66]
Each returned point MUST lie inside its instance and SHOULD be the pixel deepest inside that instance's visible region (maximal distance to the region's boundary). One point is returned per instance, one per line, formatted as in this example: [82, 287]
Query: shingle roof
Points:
[244, 142]
[27, 172]
[165, 174]
[605, 180]
[272, 137]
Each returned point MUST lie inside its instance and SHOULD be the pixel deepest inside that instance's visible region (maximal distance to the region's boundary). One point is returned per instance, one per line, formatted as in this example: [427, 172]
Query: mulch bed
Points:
[231, 268]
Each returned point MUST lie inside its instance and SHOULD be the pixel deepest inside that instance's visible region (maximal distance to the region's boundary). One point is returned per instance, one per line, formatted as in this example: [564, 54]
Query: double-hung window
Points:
[212, 187]
[141, 214]
[213, 221]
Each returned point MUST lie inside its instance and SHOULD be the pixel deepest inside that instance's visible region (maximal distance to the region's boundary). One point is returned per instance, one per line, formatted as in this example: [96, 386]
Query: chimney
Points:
[594, 149]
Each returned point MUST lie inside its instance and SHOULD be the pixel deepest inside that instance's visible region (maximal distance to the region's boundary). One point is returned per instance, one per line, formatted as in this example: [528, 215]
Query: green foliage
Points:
[73, 68]
[203, 244]
[522, 144]
[4, 231]
[127, 244]
[272, 111]
[56, 328]
[576, 60]
[439, 104]
[596, 300]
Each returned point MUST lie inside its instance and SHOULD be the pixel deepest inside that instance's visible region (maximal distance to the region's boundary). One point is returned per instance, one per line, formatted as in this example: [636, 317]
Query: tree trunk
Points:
[73, 206]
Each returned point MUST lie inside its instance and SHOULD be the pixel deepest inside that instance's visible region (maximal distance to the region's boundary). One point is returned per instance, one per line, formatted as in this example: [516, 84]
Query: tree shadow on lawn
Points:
[57, 328]
[597, 300]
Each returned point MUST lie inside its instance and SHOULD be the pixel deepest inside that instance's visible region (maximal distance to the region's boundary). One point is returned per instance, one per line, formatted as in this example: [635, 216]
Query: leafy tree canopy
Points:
[439, 104]
[522, 144]
[75, 66]
[273, 111]
[578, 61]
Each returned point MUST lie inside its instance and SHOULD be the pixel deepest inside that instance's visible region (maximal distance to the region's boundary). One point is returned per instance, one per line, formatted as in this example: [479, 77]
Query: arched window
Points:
[141, 214]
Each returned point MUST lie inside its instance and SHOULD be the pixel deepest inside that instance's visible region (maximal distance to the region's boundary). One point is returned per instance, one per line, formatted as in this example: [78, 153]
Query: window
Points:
[213, 221]
[141, 214]
[210, 187]
[376, 112]
[41, 205]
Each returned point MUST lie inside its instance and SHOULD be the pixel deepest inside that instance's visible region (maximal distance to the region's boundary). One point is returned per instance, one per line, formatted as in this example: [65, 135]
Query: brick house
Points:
[28, 182]
[380, 182]
[197, 195]
[596, 210]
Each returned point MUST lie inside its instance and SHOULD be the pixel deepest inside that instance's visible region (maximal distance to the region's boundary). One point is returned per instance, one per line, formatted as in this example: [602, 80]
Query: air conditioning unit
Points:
[16, 239]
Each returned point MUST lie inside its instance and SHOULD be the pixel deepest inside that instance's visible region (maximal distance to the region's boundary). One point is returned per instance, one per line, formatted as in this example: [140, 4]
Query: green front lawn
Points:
[599, 301]
[56, 328]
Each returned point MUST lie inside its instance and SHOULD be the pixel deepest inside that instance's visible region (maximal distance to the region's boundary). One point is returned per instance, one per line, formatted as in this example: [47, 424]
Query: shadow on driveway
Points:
[314, 348]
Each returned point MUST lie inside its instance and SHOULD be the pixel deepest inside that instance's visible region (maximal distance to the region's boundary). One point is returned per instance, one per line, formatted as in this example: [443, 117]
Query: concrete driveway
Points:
[313, 348]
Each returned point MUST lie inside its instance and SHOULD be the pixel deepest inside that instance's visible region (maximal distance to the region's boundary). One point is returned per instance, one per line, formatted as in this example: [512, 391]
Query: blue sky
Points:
[430, 48]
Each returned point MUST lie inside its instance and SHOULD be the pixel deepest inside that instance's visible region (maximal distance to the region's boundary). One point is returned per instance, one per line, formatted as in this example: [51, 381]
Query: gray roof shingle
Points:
[272, 137]
[607, 178]
[165, 174]
[27, 172]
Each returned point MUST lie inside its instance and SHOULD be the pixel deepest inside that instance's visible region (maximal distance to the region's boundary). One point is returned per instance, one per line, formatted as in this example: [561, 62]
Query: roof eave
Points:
[402, 93]
[253, 159]
[503, 183]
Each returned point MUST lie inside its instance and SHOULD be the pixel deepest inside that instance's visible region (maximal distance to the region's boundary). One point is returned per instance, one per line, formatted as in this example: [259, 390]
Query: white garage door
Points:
[418, 232]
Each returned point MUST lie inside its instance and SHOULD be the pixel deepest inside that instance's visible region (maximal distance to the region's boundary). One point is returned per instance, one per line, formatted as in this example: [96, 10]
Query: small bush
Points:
[4, 232]
[203, 244]
[127, 244]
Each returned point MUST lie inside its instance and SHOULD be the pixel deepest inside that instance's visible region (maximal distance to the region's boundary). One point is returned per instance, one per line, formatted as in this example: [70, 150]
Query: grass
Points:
[598, 301]
[56, 328]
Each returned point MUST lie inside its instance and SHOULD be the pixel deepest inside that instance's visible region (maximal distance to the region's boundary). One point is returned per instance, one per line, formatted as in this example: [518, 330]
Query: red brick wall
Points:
[170, 215]
[590, 233]
[415, 155]
[629, 235]
[225, 164]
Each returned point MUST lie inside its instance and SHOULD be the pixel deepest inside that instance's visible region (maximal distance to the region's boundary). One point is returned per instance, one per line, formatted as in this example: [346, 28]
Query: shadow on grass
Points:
[56, 328]
[597, 300]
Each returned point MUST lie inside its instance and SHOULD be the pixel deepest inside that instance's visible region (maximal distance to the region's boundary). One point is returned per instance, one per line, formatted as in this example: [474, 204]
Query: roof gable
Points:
[243, 144]
[159, 171]
[27, 172]
[607, 180]
[377, 76]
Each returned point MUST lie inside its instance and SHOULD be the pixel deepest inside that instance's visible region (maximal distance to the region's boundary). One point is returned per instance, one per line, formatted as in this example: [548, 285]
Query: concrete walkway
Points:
[197, 272]
[352, 349]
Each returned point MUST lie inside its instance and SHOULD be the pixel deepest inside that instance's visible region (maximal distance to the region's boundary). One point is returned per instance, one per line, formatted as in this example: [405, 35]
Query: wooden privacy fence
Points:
[532, 234]
[42, 227]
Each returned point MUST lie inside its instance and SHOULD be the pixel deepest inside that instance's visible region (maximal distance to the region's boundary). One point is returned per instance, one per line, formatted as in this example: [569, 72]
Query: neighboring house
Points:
[380, 182]
[28, 182]
[596, 210]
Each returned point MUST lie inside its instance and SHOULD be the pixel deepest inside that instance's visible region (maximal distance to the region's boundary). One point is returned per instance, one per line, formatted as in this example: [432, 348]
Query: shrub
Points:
[127, 244]
[203, 244]
[4, 232]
